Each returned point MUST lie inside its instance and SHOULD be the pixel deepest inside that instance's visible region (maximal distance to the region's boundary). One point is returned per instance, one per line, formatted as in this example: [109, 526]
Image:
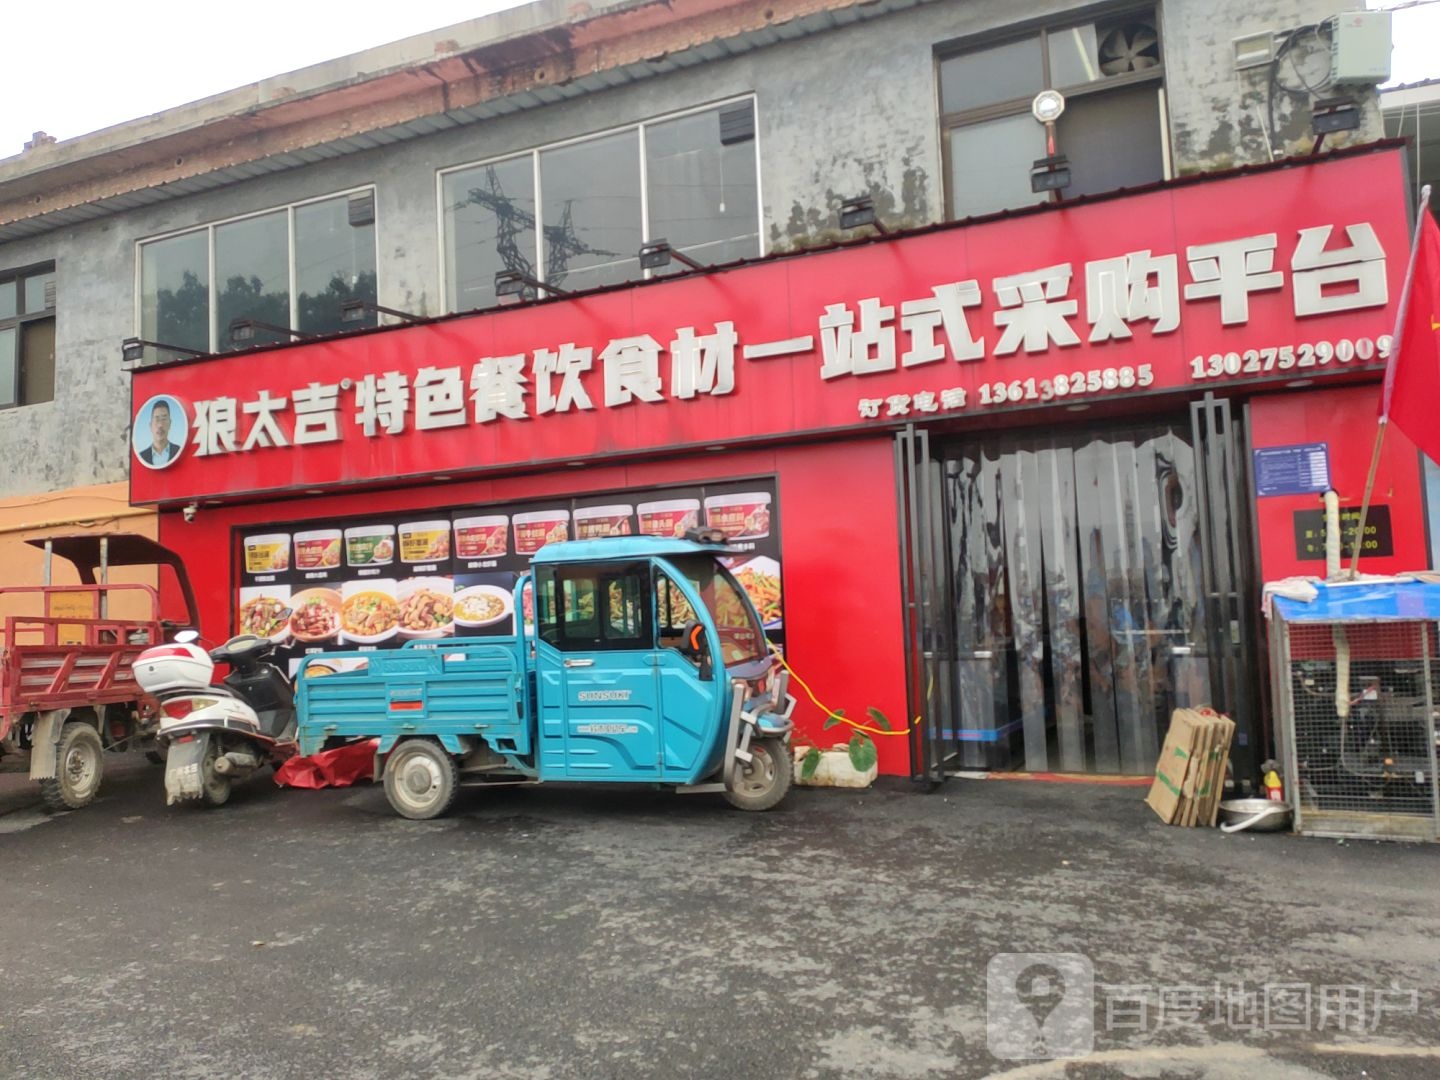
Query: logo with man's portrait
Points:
[161, 426]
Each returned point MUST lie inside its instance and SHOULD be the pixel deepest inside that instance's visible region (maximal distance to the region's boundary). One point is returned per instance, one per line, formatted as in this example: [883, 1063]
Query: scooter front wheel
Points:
[421, 780]
[762, 782]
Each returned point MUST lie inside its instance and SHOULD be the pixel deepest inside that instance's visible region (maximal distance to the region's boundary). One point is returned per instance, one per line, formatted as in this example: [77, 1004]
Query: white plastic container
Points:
[370, 545]
[318, 549]
[176, 666]
[669, 517]
[267, 554]
[540, 527]
[744, 515]
[424, 541]
[485, 537]
[593, 522]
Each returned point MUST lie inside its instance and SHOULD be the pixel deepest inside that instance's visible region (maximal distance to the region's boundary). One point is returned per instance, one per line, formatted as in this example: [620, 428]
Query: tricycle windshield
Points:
[741, 637]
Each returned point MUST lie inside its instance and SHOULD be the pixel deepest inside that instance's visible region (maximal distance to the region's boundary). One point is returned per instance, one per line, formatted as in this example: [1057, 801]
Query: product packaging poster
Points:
[378, 582]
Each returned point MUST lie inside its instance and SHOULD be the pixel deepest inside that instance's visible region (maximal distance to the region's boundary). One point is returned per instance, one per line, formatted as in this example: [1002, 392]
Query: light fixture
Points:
[1330, 115]
[353, 311]
[510, 286]
[1076, 408]
[575, 464]
[1298, 384]
[656, 255]
[133, 349]
[858, 212]
[1048, 106]
[314, 491]
[1050, 173]
[242, 330]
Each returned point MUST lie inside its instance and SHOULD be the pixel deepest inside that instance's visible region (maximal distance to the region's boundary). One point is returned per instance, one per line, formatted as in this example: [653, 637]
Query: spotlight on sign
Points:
[657, 254]
[354, 311]
[132, 349]
[1050, 174]
[858, 212]
[242, 331]
[510, 286]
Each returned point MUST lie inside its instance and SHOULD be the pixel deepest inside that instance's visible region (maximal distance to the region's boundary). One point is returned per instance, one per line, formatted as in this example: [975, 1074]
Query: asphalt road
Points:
[583, 932]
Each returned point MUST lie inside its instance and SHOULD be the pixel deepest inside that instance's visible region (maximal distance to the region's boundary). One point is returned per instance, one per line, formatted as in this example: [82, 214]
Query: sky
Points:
[76, 66]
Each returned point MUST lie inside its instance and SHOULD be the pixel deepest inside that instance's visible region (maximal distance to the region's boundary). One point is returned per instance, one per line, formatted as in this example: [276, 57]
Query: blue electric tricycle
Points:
[645, 663]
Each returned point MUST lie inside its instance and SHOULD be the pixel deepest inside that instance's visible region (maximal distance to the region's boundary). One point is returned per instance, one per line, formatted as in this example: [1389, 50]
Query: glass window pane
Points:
[986, 76]
[489, 221]
[37, 361]
[175, 292]
[334, 262]
[7, 299]
[7, 366]
[590, 209]
[1112, 140]
[252, 275]
[990, 165]
[1073, 57]
[702, 194]
[35, 291]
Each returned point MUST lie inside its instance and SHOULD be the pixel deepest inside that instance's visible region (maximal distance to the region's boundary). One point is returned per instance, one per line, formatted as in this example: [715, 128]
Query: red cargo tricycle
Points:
[67, 688]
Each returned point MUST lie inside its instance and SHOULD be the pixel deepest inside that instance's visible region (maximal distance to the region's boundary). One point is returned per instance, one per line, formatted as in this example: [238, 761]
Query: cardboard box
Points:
[1190, 773]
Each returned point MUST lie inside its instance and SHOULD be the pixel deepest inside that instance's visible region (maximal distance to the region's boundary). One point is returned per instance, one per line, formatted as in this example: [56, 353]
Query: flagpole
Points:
[1359, 536]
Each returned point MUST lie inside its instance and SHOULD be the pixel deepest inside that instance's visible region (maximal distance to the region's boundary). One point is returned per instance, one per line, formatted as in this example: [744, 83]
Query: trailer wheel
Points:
[421, 780]
[79, 763]
[763, 781]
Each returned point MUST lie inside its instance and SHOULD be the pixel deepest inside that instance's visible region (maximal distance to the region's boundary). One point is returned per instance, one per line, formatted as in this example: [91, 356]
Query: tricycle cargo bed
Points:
[445, 689]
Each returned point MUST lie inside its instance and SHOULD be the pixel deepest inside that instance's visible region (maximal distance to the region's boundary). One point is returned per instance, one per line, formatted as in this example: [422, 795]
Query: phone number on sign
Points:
[1060, 386]
[1289, 357]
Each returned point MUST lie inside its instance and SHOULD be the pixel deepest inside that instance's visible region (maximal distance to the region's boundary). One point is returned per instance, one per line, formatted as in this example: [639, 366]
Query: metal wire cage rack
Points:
[1356, 680]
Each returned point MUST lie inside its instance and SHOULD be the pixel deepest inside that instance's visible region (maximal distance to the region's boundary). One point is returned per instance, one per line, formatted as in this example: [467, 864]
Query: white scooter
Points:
[214, 734]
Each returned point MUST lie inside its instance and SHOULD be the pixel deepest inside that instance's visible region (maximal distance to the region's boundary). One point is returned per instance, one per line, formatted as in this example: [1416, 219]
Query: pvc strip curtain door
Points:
[1079, 615]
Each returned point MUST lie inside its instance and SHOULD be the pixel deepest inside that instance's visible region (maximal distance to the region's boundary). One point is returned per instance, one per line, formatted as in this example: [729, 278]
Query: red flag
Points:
[1411, 396]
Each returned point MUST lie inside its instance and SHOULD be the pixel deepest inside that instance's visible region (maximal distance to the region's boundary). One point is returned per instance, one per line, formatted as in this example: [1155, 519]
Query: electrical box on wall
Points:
[1360, 48]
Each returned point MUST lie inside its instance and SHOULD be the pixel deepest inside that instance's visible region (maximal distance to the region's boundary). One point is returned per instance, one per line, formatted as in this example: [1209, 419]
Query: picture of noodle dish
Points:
[483, 605]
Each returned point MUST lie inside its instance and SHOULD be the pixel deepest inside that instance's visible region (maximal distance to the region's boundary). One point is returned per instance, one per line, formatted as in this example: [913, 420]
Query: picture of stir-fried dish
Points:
[316, 615]
[426, 611]
[367, 614]
[263, 616]
[764, 591]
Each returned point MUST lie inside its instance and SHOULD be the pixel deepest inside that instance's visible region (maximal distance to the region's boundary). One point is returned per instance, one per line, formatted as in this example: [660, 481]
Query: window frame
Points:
[19, 275]
[535, 150]
[209, 227]
[1043, 29]
[601, 576]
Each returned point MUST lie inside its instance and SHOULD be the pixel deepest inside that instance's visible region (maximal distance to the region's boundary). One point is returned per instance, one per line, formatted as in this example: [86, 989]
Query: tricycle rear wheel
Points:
[79, 765]
[762, 782]
[421, 780]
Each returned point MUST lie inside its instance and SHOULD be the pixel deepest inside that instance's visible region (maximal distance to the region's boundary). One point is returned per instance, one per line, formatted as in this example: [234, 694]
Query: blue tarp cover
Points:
[1365, 602]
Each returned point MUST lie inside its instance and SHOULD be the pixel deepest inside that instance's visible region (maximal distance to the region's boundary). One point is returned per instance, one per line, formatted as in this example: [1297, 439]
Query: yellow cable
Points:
[829, 711]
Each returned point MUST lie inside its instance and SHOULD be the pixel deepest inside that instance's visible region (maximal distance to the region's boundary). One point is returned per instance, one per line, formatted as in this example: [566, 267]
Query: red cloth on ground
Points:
[341, 767]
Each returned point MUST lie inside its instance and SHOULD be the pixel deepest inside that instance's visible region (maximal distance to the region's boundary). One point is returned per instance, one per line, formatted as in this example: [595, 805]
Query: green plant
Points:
[861, 747]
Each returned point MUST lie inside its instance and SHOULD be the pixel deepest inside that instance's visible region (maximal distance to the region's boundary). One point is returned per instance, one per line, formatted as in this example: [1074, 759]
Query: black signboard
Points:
[1310, 533]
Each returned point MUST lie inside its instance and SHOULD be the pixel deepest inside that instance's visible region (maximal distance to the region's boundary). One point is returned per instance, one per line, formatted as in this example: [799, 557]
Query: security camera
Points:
[189, 512]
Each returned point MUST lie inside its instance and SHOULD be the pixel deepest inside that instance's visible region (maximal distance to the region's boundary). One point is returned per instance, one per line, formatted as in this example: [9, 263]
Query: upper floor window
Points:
[1111, 133]
[290, 267]
[27, 336]
[575, 215]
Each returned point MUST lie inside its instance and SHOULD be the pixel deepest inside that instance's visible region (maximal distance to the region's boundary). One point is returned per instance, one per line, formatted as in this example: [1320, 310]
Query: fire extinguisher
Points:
[1274, 789]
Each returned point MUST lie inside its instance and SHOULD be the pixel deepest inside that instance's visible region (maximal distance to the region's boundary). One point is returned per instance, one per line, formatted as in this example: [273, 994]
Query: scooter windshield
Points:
[741, 637]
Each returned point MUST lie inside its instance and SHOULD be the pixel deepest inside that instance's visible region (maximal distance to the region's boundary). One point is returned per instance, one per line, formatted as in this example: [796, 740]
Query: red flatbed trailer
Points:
[67, 686]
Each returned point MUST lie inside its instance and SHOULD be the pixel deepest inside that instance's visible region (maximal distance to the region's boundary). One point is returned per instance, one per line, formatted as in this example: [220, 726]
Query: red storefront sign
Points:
[1279, 275]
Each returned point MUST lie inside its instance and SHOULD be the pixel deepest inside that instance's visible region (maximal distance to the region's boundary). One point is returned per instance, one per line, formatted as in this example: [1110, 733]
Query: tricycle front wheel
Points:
[421, 780]
[763, 781]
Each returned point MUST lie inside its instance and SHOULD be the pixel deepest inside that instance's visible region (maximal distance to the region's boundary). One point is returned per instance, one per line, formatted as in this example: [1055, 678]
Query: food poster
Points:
[363, 584]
